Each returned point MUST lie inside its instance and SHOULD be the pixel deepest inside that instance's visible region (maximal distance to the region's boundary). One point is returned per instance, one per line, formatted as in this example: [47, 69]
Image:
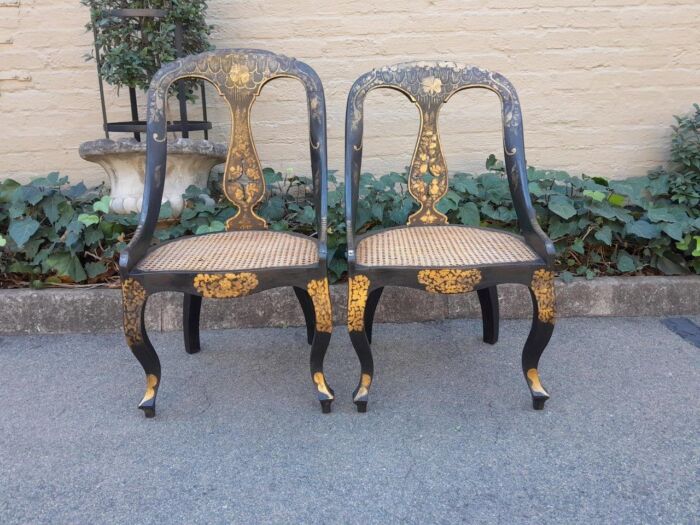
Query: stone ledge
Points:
[99, 310]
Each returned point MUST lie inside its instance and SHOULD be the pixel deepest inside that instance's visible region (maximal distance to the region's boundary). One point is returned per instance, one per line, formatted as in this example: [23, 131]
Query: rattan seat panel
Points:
[442, 246]
[236, 250]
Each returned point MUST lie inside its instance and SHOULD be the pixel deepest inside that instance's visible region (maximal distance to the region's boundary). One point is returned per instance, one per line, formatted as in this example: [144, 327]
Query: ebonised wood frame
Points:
[238, 75]
[429, 86]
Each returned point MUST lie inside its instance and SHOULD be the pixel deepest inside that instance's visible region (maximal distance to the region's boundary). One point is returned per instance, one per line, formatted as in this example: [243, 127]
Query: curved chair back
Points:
[239, 75]
[429, 85]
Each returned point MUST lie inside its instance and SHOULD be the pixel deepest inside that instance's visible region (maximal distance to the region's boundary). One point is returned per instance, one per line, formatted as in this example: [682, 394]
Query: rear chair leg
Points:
[191, 308]
[134, 298]
[358, 287]
[372, 302]
[488, 298]
[542, 293]
[319, 298]
[307, 306]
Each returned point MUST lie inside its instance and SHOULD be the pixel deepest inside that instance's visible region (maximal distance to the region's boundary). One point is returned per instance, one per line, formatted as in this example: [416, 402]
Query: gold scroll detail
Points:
[534, 379]
[321, 385]
[449, 281]
[151, 384]
[543, 287]
[320, 295]
[357, 301]
[363, 390]
[133, 297]
[225, 285]
[427, 180]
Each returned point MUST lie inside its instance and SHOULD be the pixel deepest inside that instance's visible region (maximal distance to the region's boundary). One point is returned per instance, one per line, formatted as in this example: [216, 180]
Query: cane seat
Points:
[234, 250]
[442, 246]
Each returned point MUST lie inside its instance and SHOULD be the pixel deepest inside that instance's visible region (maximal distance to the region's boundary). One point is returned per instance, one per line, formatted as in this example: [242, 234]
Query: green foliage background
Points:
[55, 233]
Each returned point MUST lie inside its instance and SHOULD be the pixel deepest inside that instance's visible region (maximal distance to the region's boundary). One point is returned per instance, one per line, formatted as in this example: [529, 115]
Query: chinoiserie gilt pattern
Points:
[321, 298]
[449, 281]
[429, 86]
[238, 76]
[543, 287]
[428, 253]
[225, 285]
[133, 299]
[357, 301]
[248, 258]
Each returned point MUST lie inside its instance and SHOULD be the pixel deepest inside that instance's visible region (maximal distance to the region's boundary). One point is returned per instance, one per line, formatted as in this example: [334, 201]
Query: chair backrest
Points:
[239, 75]
[429, 85]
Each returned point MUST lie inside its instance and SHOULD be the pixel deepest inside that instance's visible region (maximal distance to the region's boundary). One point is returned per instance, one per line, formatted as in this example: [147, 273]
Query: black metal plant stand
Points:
[135, 125]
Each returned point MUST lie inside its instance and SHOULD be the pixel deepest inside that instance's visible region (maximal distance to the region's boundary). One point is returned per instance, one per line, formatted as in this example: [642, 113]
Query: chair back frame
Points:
[429, 85]
[238, 76]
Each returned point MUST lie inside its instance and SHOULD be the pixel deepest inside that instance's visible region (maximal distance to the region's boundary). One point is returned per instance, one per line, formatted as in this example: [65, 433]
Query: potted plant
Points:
[133, 39]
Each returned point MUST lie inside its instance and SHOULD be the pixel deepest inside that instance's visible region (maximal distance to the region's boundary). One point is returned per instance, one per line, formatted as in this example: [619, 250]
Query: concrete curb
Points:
[99, 310]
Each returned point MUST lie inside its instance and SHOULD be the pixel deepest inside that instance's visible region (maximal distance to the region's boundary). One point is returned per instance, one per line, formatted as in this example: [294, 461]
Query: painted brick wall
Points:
[598, 80]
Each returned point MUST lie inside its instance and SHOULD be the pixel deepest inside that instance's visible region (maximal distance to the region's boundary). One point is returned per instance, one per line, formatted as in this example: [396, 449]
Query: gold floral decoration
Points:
[133, 297]
[543, 287]
[151, 384]
[320, 295]
[321, 385]
[535, 383]
[363, 390]
[428, 176]
[449, 281]
[431, 85]
[239, 74]
[357, 300]
[244, 184]
[225, 285]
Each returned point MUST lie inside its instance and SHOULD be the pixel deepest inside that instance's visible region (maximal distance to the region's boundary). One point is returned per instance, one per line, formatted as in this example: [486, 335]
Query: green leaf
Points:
[642, 229]
[674, 230]
[660, 214]
[562, 206]
[468, 214]
[3, 241]
[22, 229]
[88, 219]
[102, 204]
[604, 235]
[616, 199]
[66, 264]
[566, 276]
[94, 269]
[598, 196]
[625, 262]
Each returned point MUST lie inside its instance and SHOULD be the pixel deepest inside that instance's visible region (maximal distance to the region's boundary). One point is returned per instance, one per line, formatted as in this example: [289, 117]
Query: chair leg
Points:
[488, 298]
[191, 308]
[134, 304]
[372, 302]
[542, 292]
[322, 320]
[307, 306]
[358, 287]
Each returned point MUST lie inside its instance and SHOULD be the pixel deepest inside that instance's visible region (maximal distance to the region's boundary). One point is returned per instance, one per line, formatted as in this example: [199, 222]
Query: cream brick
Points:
[599, 81]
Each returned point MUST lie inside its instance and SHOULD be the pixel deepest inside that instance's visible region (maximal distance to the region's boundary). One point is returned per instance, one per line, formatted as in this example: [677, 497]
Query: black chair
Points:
[247, 258]
[428, 253]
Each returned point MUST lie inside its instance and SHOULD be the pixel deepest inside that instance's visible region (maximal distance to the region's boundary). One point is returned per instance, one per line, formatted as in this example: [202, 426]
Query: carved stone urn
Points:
[189, 163]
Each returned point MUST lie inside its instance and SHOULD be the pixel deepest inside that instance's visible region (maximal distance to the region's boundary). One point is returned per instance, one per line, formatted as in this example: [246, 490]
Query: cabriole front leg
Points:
[542, 292]
[358, 287]
[320, 300]
[134, 298]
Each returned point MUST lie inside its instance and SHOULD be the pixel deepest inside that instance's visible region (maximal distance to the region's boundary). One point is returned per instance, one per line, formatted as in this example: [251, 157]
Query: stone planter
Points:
[189, 163]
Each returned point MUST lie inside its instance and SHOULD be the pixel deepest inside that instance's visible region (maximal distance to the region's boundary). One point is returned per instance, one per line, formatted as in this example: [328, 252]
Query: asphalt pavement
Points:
[450, 435]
